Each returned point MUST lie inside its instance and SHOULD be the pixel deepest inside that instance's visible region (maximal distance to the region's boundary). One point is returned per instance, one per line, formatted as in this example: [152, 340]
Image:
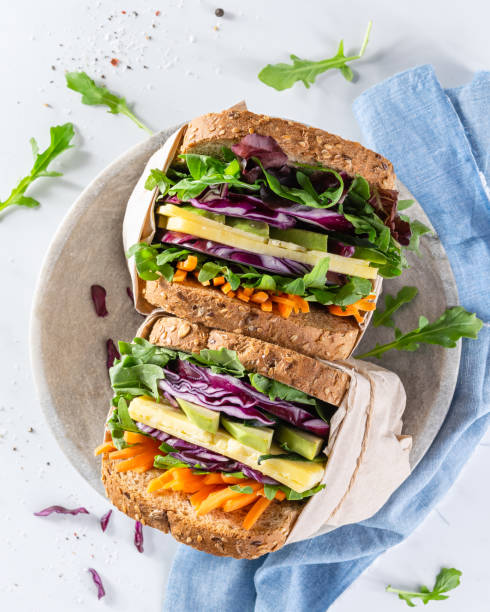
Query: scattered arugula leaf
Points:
[447, 580]
[392, 304]
[239, 489]
[404, 204]
[95, 95]
[283, 76]
[61, 136]
[453, 324]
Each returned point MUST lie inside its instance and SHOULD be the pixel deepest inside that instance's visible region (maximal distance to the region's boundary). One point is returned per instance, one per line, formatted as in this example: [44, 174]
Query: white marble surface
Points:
[191, 68]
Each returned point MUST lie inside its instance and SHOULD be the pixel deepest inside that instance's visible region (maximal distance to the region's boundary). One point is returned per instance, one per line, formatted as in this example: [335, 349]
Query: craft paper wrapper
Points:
[368, 458]
[139, 224]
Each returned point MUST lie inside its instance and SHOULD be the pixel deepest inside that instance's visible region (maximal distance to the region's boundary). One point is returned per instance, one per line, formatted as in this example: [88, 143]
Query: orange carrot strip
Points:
[282, 300]
[365, 304]
[131, 451]
[280, 495]
[242, 296]
[213, 478]
[217, 499]
[201, 495]
[302, 304]
[187, 486]
[189, 264]
[158, 482]
[266, 306]
[219, 280]
[144, 468]
[230, 294]
[231, 480]
[256, 512]
[104, 448]
[284, 310]
[259, 298]
[226, 288]
[248, 291]
[179, 276]
[245, 499]
[139, 460]
[135, 438]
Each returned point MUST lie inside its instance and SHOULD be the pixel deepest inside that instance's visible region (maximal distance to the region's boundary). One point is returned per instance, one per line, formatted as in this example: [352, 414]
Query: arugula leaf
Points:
[271, 490]
[239, 489]
[283, 76]
[166, 448]
[61, 136]
[404, 204]
[453, 324]
[158, 178]
[120, 422]
[355, 289]
[164, 462]
[236, 474]
[95, 95]
[151, 263]
[447, 580]
[278, 390]
[418, 229]
[392, 304]
[221, 361]
[317, 277]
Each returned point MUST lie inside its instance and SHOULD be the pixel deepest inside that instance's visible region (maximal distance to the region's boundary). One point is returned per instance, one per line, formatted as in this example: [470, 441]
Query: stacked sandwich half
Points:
[257, 248]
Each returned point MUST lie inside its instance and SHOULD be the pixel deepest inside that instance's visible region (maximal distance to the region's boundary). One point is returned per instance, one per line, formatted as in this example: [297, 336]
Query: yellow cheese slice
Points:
[217, 232]
[298, 475]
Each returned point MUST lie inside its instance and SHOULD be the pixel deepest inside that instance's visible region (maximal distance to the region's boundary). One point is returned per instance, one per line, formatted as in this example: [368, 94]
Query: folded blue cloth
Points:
[439, 144]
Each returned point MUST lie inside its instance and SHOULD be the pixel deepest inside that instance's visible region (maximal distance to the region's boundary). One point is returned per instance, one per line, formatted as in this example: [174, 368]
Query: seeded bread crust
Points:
[218, 532]
[289, 367]
[301, 143]
[316, 334]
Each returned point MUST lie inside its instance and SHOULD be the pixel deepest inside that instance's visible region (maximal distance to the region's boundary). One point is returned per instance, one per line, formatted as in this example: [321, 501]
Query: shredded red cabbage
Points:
[61, 510]
[98, 294]
[192, 454]
[264, 148]
[384, 202]
[112, 353]
[98, 581]
[104, 520]
[138, 536]
[224, 388]
[276, 265]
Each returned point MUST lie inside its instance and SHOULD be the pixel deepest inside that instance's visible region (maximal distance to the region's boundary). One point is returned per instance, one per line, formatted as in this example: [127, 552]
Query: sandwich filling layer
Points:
[271, 233]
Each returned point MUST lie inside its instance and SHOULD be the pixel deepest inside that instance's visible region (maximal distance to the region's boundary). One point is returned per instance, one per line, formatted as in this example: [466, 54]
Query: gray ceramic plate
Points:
[68, 341]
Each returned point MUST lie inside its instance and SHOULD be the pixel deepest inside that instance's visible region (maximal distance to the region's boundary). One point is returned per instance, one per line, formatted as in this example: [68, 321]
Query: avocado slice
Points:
[205, 419]
[305, 238]
[260, 228]
[259, 438]
[305, 444]
[205, 213]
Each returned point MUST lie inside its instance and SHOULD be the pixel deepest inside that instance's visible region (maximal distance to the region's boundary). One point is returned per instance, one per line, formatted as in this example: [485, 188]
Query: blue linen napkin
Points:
[438, 142]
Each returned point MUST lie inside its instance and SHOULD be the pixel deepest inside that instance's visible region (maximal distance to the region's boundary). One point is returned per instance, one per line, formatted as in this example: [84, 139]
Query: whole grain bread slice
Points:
[316, 334]
[301, 143]
[309, 375]
[218, 532]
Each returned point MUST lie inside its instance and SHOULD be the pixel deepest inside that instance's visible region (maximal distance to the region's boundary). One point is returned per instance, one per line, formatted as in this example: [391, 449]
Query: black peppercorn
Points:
[219, 12]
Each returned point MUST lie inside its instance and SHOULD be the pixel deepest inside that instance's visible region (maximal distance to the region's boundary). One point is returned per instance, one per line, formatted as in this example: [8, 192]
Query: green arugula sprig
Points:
[392, 304]
[61, 136]
[453, 324]
[96, 95]
[271, 490]
[447, 580]
[283, 76]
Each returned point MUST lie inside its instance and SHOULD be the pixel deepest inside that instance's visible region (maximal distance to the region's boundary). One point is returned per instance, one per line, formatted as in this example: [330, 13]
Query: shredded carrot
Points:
[213, 478]
[248, 291]
[231, 480]
[179, 276]
[104, 448]
[256, 512]
[219, 280]
[135, 462]
[259, 298]
[279, 299]
[242, 296]
[217, 499]
[158, 482]
[266, 306]
[365, 304]
[135, 438]
[226, 288]
[239, 502]
[201, 495]
[130, 451]
[300, 303]
[230, 294]
[189, 264]
[284, 310]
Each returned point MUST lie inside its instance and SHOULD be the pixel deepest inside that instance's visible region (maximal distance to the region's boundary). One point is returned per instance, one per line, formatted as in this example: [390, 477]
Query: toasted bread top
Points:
[301, 143]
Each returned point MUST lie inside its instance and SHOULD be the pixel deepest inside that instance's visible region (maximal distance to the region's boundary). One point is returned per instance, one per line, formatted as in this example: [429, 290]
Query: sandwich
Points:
[216, 437]
[267, 228]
